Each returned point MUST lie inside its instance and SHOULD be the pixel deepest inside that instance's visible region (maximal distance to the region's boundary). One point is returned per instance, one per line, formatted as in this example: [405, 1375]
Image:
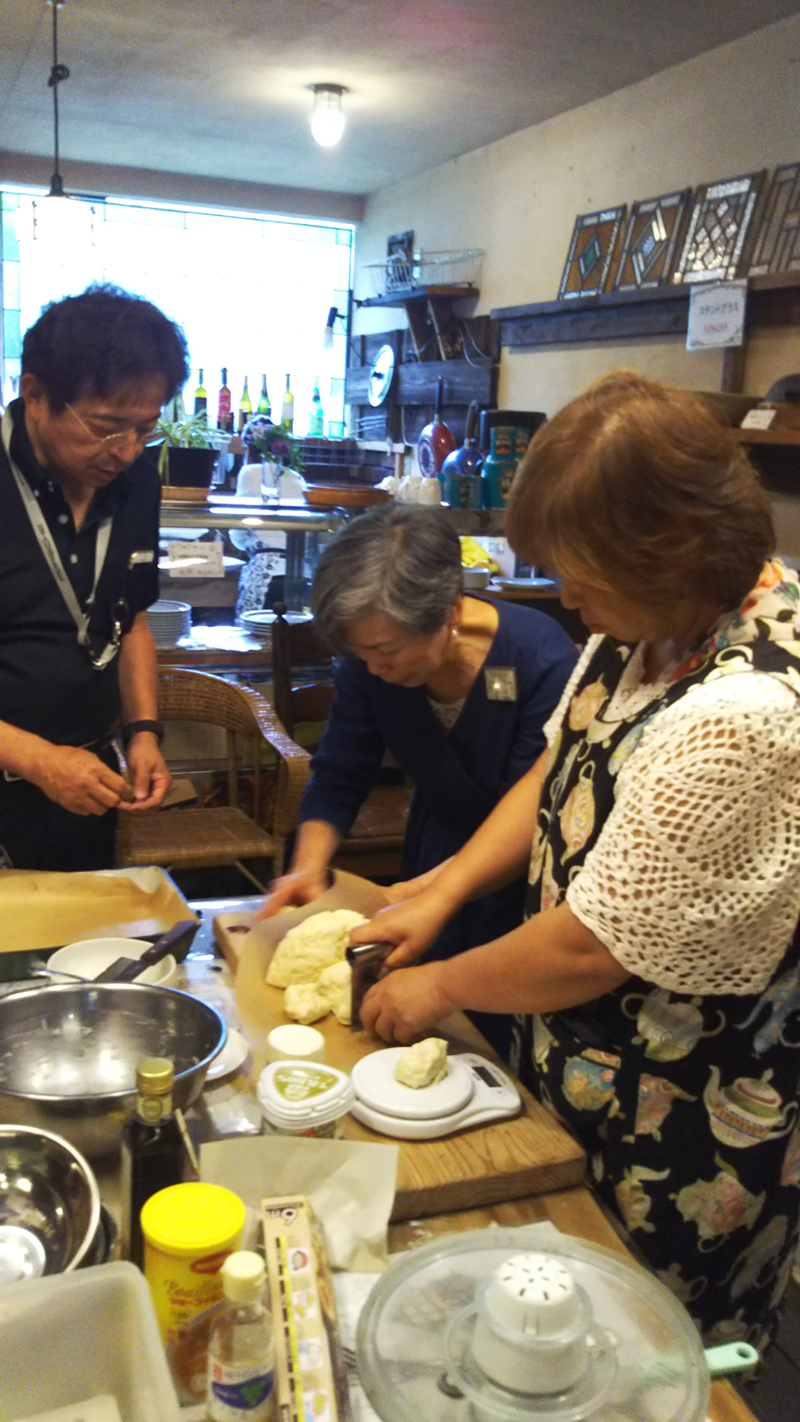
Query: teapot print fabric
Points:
[688, 1106]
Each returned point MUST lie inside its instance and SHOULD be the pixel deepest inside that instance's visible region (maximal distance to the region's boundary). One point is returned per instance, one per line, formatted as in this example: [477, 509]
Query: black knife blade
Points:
[126, 970]
[368, 964]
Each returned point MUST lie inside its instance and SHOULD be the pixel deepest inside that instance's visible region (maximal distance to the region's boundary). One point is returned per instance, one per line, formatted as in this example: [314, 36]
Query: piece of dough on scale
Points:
[423, 1064]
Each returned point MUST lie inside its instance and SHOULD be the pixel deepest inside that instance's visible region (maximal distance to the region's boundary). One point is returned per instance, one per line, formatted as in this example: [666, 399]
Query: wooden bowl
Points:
[344, 496]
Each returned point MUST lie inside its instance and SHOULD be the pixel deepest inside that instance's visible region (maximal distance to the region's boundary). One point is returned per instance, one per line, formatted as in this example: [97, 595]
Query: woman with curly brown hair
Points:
[658, 972]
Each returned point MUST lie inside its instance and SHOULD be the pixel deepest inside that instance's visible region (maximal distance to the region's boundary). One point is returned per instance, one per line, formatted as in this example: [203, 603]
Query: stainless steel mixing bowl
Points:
[68, 1054]
[49, 1205]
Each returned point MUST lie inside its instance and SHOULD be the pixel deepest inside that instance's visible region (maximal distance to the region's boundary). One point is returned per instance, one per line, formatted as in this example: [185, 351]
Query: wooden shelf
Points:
[772, 301]
[414, 295]
[777, 438]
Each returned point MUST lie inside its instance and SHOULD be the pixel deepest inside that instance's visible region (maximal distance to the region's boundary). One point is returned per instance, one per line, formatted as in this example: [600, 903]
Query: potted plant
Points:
[188, 452]
[273, 442]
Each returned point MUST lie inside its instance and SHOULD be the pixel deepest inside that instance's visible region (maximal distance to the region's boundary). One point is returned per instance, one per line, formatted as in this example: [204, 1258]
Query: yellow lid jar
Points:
[189, 1231]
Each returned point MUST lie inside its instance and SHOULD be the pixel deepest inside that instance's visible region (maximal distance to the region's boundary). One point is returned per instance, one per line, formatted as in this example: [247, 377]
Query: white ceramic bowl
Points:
[90, 957]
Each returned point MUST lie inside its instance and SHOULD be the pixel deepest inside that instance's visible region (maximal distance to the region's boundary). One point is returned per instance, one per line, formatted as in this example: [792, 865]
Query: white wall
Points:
[727, 112]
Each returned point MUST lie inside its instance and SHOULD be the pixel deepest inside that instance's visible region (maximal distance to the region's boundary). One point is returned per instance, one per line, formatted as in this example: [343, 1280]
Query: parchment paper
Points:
[350, 1185]
[47, 910]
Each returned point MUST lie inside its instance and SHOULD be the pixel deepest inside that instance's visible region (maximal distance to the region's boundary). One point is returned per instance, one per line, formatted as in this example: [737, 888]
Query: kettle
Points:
[436, 440]
[462, 469]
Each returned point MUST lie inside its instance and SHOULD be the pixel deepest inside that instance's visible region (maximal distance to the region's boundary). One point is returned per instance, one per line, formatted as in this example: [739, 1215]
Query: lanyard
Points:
[51, 555]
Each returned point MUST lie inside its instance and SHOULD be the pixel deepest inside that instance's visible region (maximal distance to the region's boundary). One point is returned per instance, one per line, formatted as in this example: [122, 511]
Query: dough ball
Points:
[423, 1064]
[302, 1002]
[311, 946]
[334, 984]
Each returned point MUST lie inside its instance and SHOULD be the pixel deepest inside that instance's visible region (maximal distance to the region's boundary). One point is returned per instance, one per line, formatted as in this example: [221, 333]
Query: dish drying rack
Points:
[402, 272]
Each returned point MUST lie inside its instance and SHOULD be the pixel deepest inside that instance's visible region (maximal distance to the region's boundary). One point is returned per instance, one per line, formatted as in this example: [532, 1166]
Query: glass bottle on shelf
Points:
[175, 409]
[287, 406]
[152, 1150]
[200, 396]
[264, 407]
[316, 423]
[245, 406]
[241, 1348]
[223, 401]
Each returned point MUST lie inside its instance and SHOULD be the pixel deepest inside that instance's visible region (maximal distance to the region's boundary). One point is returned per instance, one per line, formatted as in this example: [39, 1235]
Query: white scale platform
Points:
[473, 1092]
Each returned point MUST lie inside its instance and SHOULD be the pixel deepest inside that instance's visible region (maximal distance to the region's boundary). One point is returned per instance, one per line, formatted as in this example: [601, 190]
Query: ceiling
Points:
[219, 88]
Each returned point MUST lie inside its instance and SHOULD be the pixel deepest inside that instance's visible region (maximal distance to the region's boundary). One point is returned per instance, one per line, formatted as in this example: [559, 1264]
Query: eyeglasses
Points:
[140, 434]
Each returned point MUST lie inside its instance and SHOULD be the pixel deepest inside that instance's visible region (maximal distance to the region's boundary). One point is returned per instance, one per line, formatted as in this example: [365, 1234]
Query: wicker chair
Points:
[374, 843]
[205, 838]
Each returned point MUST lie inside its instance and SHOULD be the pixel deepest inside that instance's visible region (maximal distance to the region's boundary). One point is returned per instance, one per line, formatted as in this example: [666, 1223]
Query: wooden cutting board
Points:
[506, 1160]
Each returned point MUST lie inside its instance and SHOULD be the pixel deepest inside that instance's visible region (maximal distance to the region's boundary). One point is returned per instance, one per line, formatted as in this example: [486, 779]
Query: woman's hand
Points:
[409, 888]
[293, 890]
[402, 1005]
[411, 926]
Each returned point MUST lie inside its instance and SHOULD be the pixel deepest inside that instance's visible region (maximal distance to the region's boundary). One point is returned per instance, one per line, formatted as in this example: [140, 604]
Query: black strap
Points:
[134, 727]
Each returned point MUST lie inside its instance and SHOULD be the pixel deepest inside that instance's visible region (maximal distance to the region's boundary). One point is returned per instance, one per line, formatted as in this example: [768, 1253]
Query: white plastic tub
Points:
[70, 1337]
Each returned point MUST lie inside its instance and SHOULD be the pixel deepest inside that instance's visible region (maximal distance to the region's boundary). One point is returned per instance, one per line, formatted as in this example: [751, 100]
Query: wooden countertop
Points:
[504, 1160]
[573, 1210]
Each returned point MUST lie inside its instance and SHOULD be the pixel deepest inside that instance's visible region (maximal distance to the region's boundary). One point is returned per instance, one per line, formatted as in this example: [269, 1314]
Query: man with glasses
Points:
[78, 569]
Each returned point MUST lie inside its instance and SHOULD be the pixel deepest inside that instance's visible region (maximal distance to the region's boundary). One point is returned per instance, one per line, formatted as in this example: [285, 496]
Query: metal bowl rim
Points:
[100, 1096]
[8, 1128]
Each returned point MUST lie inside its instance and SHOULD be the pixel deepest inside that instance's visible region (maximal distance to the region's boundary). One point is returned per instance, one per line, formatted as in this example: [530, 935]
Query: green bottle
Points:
[264, 407]
[245, 406]
[200, 396]
[316, 424]
[287, 407]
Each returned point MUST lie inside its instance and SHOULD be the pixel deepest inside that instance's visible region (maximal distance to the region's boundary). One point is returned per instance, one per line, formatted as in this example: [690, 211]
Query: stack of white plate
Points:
[168, 621]
[259, 624]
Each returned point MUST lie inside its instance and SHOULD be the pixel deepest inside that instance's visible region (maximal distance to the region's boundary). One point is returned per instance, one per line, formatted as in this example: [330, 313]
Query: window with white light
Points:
[251, 292]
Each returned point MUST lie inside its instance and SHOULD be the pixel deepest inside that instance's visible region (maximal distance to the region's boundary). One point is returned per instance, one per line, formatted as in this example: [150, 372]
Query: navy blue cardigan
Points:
[458, 777]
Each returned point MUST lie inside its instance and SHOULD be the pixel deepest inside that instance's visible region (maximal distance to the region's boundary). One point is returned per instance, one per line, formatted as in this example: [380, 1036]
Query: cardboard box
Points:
[310, 1375]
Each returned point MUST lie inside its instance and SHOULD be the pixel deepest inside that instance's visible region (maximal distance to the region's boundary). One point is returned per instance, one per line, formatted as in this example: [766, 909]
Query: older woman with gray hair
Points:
[457, 688]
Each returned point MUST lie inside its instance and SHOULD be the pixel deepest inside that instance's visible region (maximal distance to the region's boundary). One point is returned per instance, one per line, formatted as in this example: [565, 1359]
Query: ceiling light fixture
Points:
[327, 119]
[58, 214]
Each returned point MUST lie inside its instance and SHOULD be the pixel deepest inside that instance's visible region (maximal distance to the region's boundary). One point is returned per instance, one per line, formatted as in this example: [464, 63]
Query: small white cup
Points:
[294, 1041]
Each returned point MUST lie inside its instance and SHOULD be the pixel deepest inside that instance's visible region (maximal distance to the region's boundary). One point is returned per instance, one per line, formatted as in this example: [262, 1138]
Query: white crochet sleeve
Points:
[694, 882]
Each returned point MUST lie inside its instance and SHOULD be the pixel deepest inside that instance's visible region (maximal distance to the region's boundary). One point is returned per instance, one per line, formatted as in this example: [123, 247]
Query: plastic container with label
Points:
[189, 1231]
[304, 1099]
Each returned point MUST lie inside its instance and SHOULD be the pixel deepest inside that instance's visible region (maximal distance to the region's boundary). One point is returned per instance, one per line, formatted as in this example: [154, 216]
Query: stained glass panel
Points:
[654, 232]
[777, 246]
[594, 243]
[720, 230]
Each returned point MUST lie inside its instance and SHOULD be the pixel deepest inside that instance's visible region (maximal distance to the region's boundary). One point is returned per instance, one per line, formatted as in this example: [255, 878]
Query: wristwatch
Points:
[134, 727]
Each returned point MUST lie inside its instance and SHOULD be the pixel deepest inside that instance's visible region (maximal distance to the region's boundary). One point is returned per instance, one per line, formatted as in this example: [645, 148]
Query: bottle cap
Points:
[154, 1076]
[243, 1276]
[194, 1220]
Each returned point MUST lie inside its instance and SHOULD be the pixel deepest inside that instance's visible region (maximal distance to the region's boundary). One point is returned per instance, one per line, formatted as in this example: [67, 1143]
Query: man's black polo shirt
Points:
[47, 682]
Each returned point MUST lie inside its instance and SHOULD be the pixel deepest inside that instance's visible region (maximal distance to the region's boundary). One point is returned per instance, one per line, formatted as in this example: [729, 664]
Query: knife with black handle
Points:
[177, 940]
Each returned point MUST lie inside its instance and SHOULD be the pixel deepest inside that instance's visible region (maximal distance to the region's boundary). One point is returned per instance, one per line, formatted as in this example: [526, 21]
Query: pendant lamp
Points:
[327, 118]
[58, 218]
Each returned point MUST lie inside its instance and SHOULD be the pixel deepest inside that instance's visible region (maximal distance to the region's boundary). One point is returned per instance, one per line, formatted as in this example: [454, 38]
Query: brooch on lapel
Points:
[501, 683]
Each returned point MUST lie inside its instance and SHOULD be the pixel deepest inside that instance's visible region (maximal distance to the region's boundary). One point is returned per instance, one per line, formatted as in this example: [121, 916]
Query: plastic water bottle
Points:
[241, 1349]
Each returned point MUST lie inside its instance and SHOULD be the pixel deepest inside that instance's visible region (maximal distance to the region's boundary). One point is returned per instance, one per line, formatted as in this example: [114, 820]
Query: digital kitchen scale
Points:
[474, 1091]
